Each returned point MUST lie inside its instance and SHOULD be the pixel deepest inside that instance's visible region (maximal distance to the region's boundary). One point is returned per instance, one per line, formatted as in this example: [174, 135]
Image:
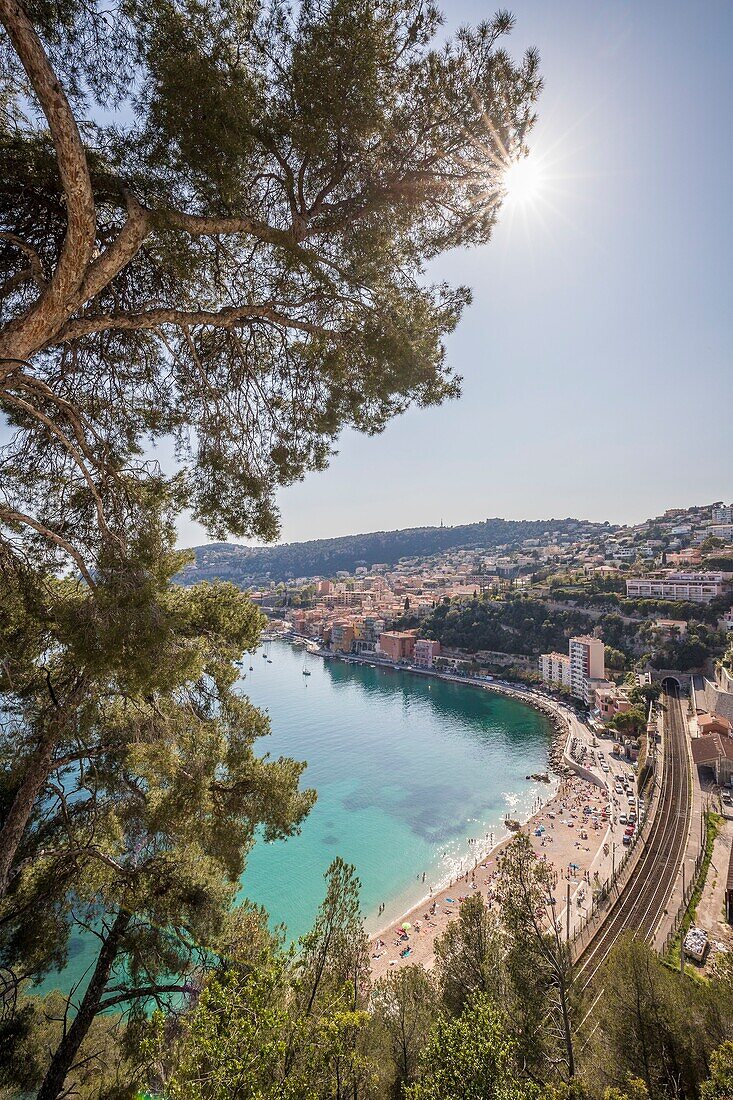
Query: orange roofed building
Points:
[397, 645]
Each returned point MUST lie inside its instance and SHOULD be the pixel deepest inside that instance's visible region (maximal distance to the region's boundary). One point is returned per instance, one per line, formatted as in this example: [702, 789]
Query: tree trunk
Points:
[68, 1048]
[567, 1030]
[15, 823]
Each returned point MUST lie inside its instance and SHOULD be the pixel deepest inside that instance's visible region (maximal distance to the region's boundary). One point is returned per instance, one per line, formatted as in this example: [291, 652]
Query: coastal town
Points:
[359, 737]
[664, 592]
[636, 599]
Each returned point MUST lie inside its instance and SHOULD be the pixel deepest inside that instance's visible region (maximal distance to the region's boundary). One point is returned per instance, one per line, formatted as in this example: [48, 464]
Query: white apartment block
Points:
[722, 531]
[723, 514]
[587, 662]
[554, 668]
[584, 662]
[696, 587]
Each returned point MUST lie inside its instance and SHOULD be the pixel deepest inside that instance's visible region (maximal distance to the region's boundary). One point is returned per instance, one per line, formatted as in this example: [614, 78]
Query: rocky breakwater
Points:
[560, 733]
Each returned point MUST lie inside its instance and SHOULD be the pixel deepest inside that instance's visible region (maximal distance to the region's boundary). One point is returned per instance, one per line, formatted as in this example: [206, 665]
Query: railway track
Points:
[647, 891]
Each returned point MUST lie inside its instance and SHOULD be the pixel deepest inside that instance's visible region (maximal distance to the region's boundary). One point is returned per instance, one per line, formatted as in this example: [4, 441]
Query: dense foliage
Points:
[500, 1016]
[214, 221]
[528, 625]
[246, 565]
[214, 224]
[518, 624]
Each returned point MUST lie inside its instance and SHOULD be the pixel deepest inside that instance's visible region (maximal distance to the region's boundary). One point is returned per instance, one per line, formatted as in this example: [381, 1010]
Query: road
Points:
[647, 891]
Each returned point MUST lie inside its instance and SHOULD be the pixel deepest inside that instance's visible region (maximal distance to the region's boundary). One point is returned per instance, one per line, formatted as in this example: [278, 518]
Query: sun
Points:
[523, 181]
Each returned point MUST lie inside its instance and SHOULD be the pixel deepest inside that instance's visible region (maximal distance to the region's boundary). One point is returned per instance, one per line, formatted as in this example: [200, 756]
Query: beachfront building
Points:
[610, 701]
[555, 669]
[425, 652]
[343, 635]
[582, 669]
[458, 665]
[702, 587]
[397, 645]
[587, 663]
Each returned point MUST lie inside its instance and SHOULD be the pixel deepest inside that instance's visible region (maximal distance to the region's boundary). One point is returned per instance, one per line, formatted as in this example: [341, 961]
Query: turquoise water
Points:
[407, 769]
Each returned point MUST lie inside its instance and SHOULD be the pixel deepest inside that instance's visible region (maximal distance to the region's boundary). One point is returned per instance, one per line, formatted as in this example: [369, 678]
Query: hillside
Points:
[248, 566]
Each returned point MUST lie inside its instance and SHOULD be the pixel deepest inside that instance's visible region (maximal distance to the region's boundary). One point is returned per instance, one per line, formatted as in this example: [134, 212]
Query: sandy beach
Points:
[567, 832]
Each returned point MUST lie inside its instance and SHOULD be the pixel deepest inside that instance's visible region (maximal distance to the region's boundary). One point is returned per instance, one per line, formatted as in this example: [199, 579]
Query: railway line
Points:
[645, 895]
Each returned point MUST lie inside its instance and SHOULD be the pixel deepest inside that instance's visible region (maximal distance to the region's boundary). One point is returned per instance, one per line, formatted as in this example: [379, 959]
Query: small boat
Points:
[306, 672]
[251, 668]
[269, 661]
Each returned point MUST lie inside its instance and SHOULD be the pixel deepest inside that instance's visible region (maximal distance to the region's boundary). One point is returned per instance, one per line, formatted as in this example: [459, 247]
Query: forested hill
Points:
[247, 565]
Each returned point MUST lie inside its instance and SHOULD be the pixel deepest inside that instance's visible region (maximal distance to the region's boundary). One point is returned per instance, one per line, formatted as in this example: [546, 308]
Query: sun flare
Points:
[523, 181]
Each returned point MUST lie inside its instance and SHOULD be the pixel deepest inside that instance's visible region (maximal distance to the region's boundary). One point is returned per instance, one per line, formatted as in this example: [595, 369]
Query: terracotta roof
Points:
[711, 719]
[709, 749]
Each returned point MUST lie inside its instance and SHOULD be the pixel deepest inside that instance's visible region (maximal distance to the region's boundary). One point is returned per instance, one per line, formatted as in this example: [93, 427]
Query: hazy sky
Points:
[596, 356]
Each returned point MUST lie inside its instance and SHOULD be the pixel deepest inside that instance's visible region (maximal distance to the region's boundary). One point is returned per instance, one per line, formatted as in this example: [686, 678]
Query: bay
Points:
[408, 769]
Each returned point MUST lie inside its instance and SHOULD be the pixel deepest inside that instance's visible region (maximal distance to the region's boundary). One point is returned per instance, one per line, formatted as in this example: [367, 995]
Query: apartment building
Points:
[587, 663]
[554, 669]
[425, 652]
[723, 513]
[581, 670]
[342, 637]
[610, 701]
[696, 587]
[397, 645]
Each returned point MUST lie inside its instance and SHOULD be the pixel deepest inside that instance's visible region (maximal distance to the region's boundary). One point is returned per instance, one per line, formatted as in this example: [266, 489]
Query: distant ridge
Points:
[250, 566]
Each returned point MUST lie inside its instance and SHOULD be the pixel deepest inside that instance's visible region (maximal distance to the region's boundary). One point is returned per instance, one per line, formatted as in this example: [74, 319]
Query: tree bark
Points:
[24, 335]
[16, 821]
[68, 1048]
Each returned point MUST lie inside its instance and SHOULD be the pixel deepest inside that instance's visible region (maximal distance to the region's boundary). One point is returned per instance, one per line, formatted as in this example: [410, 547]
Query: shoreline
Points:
[480, 859]
[482, 854]
[571, 788]
[546, 705]
[572, 862]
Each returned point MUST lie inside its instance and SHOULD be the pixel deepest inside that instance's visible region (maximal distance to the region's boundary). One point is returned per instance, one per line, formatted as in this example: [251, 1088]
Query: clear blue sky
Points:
[597, 353]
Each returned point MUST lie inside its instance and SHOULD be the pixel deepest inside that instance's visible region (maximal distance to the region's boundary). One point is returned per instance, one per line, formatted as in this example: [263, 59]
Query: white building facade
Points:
[578, 670]
[587, 662]
[554, 669]
[696, 587]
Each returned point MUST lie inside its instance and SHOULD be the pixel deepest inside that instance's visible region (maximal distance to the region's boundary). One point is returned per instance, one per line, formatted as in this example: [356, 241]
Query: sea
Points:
[414, 774]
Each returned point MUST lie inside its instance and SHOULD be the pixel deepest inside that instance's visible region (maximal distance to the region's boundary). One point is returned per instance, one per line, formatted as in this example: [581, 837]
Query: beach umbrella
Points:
[406, 926]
